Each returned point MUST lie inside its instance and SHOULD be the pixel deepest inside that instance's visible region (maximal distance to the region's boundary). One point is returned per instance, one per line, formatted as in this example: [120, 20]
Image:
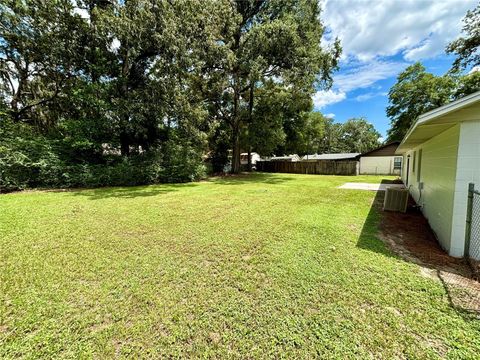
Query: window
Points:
[419, 164]
[397, 163]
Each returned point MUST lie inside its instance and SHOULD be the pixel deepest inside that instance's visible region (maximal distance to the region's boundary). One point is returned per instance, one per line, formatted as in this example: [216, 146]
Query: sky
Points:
[380, 38]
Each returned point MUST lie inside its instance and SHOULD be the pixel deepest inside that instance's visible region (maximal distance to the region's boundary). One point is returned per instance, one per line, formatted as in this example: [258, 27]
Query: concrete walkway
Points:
[368, 186]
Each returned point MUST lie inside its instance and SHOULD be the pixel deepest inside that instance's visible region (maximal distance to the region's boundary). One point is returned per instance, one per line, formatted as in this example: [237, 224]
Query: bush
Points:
[30, 160]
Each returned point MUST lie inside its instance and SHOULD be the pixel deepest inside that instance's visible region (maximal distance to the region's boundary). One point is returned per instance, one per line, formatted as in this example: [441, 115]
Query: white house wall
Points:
[373, 165]
[438, 174]
[468, 171]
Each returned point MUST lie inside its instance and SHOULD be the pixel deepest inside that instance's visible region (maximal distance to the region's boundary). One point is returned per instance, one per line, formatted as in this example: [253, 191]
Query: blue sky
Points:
[380, 38]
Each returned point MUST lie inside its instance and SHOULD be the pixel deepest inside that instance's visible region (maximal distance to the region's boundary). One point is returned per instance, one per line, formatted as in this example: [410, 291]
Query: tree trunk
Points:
[250, 115]
[124, 144]
[124, 137]
[236, 128]
[236, 150]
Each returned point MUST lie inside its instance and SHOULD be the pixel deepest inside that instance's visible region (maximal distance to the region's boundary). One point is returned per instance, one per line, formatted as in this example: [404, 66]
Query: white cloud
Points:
[330, 115]
[418, 29]
[369, 95]
[474, 70]
[363, 75]
[381, 38]
[358, 75]
[323, 98]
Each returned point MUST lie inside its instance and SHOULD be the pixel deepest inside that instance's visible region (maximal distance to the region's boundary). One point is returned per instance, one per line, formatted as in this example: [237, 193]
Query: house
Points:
[381, 161]
[337, 157]
[441, 156]
[291, 158]
[253, 156]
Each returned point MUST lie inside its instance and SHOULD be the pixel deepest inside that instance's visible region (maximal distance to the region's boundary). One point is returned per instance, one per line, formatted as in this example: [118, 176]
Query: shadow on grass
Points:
[408, 236]
[369, 236]
[248, 178]
[131, 192]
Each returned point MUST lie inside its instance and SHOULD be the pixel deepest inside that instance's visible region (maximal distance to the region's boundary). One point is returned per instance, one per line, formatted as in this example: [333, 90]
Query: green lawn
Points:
[263, 266]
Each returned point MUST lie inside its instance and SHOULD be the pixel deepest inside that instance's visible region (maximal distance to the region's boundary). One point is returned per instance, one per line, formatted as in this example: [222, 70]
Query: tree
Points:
[313, 133]
[115, 82]
[267, 41]
[415, 92]
[100, 76]
[279, 118]
[467, 84]
[466, 48]
[308, 134]
[38, 57]
[358, 136]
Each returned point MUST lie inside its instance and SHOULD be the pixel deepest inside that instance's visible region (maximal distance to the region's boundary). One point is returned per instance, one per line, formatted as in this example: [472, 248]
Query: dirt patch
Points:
[409, 236]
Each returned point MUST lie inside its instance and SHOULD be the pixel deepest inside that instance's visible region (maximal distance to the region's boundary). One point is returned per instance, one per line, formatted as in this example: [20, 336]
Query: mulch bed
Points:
[410, 237]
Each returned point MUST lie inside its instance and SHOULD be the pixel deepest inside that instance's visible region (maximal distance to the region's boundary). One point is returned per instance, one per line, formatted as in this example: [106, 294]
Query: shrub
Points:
[30, 160]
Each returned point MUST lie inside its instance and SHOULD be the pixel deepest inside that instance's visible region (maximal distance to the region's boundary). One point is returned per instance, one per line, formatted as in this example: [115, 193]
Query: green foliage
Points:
[26, 159]
[415, 93]
[29, 160]
[120, 76]
[154, 81]
[467, 47]
[317, 134]
[467, 84]
[358, 135]
[278, 116]
[264, 43]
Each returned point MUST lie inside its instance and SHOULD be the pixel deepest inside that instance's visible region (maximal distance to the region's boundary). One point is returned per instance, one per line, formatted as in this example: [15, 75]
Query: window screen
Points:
[397, 163]
[419, 164]
[414, 158]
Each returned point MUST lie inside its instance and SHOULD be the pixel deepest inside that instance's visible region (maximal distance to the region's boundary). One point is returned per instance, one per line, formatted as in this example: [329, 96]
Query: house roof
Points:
[338, 156]
[384, 150]
[440, 119]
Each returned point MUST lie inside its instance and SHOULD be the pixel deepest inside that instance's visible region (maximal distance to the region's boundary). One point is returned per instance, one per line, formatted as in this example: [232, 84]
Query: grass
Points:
[269, 265]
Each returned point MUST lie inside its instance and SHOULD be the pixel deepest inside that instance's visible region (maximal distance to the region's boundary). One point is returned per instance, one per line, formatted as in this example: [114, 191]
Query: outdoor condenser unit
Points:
[396, 199]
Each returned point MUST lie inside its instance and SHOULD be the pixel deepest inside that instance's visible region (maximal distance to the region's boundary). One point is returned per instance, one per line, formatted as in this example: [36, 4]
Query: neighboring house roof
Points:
[440, 119]
[246, 154]
[339, 156]
[384, 150]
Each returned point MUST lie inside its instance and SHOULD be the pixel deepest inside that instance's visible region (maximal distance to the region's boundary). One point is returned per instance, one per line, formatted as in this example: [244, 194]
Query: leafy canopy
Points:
[466, 47]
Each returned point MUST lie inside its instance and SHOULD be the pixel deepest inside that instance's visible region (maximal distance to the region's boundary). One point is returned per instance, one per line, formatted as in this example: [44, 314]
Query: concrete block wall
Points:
[468, 171]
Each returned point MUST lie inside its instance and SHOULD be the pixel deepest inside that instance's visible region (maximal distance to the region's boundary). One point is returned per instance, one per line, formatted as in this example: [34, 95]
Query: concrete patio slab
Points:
[369, 186]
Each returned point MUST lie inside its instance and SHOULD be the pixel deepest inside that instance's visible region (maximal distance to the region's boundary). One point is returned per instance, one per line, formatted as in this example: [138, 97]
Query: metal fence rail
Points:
[472, 243]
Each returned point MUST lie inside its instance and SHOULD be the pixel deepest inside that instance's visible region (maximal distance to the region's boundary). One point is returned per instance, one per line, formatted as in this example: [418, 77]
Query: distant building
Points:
[381, 161]
[254, 157]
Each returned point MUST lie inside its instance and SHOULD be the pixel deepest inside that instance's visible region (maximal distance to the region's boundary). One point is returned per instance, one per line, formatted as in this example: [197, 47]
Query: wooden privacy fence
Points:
[321, 167]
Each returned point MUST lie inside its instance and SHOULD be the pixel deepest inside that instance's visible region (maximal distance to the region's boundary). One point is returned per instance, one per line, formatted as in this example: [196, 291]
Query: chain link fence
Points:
[472, 245]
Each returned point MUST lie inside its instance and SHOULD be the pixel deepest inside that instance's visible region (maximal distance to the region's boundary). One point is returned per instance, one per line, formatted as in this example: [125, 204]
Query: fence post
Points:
[471, 189]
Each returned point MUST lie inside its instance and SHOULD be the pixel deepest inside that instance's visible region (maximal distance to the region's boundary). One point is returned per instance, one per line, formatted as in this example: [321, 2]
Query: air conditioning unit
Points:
[396, 199]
